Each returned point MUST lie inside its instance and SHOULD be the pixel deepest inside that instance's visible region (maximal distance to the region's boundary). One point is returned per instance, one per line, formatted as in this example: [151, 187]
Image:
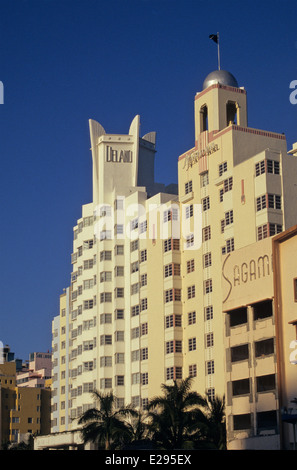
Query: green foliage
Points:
[177, 419]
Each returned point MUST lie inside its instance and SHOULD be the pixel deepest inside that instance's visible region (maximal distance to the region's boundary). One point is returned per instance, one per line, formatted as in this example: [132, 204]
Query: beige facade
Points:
[24, 411]
[259, 305]
[146, 303]
[242, 178]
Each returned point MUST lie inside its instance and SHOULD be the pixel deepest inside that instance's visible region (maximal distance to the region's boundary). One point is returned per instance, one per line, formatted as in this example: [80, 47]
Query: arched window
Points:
[203, 118]
[231, 111]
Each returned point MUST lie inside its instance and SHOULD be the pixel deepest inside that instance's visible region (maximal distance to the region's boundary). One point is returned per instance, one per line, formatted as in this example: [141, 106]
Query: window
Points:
[262, 232]
[143, 256]
[170, 373]
[222, 168]
[207, 260]
[169, 295]
[134, 245]
[190, 240]
[173, 320]
[135, 310]
[264, 347]
[263, 310]
[261, 202]
[273, 167]
[177, 294]
[144, 378]
[207, 286]
[135, 288]
[105, 255]
[189, 211]
[240, 387]
[119, 271]
[205, 203]
[105, 297]
[267, 420]
[239, 353]
[106, 383]
[238, 316]
[135, 378]
[204, 179]
[191, 292]
[143, 304]
[193, 370]
[134, 267]
[229, 246]
[206, 233]
[274, 229]
[190, 266]
[229, 217]
[88, 244]
[274, 201]
[265, 383]
[105, 235]
[192, 344]
[241, 422]
[260, 168]
[134, 224]
[173, 346]
[143, 226]
[228, 184]
[119, 249]
[105, 318]
[167, 245]
[105, 340]
[88, 304]
[188, 187]
[119, 335]
[171, 244]
[143, 280]
[119, 314]
[143, 329]
[135, 332]
[143, 354]
[269, 166]
[210, 367]
[191, 318]
[208, 312]
[88, 283]
[209, 340]
[105, 276]
[119, 229]
[135, 355]
[120, 380]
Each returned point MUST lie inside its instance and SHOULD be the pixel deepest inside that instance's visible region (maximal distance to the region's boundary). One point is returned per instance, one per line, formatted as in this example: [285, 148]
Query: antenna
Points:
[215, 38]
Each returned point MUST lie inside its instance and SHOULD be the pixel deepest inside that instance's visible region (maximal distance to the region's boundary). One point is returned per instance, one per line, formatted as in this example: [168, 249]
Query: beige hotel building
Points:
[148, 300]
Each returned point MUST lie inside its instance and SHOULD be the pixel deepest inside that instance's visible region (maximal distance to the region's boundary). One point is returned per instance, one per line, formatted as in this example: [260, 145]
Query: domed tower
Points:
[220, 103]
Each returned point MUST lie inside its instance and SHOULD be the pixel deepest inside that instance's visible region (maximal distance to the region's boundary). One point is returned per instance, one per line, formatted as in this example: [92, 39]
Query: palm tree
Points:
[176, 416]
[105, 424]
[216, 426]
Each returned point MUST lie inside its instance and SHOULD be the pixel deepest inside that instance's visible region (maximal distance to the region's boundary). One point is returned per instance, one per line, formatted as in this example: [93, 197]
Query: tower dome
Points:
[220, 76]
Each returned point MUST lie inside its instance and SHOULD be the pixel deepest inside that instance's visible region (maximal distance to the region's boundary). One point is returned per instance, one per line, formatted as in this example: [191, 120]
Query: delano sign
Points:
[118, 156]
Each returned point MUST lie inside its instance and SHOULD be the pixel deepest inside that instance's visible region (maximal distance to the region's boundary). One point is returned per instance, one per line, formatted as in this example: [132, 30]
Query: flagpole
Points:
[219, 61]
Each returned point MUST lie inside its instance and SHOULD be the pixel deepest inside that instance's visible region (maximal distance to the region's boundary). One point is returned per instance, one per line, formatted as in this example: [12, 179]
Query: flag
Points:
[214, 37]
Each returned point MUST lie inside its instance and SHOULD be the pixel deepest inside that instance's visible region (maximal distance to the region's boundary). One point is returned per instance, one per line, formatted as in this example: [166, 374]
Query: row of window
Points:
[264, 166]
[268, 230]
[268, 201]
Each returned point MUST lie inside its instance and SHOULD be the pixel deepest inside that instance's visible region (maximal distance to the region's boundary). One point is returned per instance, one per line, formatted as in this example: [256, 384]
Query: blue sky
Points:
[63, 62]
